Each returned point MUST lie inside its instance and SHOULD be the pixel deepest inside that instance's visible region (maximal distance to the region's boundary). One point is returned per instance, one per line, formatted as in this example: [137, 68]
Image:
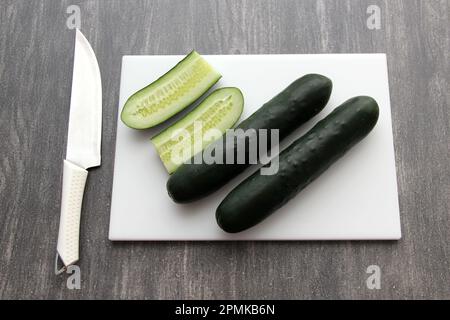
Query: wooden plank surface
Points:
[36, 53]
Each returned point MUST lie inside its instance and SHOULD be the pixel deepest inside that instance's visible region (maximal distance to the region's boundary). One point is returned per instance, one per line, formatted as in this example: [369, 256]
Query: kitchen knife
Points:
[83, 148]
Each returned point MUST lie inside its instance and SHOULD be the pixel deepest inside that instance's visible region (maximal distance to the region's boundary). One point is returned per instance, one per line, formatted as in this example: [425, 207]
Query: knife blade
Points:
[83, 147]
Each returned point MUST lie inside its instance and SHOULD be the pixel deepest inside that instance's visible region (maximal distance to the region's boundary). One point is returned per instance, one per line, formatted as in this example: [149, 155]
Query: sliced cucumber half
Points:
[171, 93]
[190, 135]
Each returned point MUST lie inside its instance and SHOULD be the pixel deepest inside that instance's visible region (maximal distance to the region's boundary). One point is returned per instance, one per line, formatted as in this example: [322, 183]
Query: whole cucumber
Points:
[299, 164]
[299, 102]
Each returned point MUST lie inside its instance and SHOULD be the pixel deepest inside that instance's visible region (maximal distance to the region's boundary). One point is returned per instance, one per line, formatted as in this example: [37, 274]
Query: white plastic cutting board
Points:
[355, 199]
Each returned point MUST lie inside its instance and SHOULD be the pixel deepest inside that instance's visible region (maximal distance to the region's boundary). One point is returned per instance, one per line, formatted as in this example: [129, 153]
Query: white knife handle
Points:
[74, 181]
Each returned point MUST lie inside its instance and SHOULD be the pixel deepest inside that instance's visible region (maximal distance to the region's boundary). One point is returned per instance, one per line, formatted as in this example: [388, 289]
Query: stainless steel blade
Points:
[85, 121]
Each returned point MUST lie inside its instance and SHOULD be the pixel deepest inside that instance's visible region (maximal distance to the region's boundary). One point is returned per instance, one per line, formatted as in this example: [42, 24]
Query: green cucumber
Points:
[299, 102]
[220, 111]
[171, 93]
[303, 161]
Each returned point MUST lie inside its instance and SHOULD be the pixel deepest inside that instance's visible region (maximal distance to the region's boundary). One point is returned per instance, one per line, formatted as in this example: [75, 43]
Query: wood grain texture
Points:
[36, 53]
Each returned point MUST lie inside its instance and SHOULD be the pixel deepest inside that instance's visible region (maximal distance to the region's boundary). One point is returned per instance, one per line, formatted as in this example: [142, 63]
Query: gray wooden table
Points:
[36, 52]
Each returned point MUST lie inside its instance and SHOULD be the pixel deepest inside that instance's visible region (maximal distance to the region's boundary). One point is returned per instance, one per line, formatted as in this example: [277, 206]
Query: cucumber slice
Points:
[178, 143]
[170, 94]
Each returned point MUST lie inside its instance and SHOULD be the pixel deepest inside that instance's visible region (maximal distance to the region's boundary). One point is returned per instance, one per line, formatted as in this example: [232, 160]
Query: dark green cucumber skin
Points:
[299, 164]
[298, 103]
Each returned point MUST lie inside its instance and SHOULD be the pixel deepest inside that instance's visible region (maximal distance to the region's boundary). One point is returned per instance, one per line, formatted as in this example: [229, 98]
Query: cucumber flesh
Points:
[299, 164]
[171, 93]
[220, 111]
